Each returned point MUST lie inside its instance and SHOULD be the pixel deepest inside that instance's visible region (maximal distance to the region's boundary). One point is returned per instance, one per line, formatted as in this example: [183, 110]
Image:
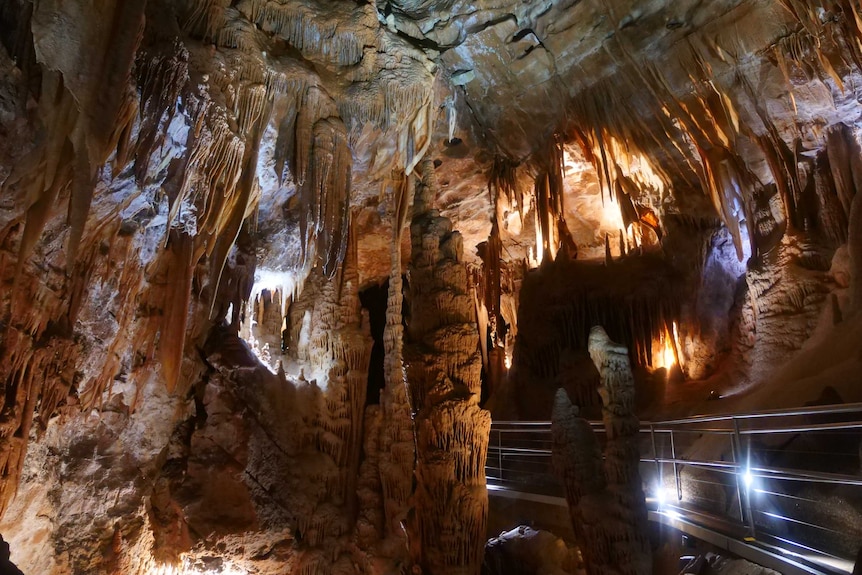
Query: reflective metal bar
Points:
[675, 469]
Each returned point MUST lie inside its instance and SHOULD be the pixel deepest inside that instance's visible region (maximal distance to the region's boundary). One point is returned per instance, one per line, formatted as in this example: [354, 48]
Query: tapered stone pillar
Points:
[444, 366]
[606, 500]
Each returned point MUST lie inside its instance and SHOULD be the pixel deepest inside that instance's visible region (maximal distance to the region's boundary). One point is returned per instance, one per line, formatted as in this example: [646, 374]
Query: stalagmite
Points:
[606, 500]
[443, 374]
[397, 443]
[339, 350]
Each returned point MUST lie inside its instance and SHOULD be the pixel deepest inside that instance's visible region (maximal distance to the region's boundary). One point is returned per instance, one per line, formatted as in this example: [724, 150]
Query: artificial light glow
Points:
[540, 246]
[508, 361]
[747, 478]
[612, 218]
[532, 261]
[674, 515]
[666, 356]
[663, 495]
[667, 353]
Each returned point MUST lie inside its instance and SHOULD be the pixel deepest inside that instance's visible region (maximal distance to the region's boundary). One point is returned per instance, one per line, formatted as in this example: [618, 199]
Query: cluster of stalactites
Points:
[81, 126]
[613, 138]
[389, 82]
[495, 328]
[830, 29]
[701, 134]
[313, 30]
[316, 147]
[553, 235]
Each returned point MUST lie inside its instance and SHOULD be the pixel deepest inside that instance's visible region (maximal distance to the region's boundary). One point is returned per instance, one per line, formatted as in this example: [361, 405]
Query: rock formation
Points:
[194, 193]
[529, 552]
[605, 495]
[397, 436]
[443, 374]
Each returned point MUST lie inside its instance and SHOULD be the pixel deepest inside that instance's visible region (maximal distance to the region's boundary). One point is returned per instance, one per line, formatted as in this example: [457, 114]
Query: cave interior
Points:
[272, 269]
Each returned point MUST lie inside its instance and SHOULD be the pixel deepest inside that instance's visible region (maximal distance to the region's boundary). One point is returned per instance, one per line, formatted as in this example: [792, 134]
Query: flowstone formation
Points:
[444, 375]
[605, 495]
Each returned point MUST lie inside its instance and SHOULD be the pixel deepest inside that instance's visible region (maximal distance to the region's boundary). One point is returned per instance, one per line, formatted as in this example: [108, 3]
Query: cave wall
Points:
[137, 144]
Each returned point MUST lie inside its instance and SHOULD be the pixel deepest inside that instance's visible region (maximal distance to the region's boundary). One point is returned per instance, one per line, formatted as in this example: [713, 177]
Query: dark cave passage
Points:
[374, 300]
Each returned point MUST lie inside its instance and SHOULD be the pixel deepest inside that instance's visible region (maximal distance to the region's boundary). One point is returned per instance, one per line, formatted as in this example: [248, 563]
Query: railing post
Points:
[655, 457]
[675, 468]
[500, 453]
[735, 461]
[749, 515]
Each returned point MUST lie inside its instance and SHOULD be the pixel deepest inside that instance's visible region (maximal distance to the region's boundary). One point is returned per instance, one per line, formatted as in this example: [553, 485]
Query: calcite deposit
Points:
[604, 491]
[195, 194]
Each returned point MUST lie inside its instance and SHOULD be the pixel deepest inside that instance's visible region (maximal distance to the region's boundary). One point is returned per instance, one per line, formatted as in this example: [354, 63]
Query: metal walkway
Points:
[781, 488]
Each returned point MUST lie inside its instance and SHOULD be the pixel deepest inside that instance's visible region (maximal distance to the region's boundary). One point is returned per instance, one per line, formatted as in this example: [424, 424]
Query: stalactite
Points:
[605, 497]
[161, 76]
[503, 181]
[492, 324]
[443, 373]
[177, 299]
[315, 145]
[103, 115]
[206, 17]
[237, 32]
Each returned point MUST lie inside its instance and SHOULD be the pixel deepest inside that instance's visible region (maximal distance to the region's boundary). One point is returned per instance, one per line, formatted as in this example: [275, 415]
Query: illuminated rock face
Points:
[165, 163]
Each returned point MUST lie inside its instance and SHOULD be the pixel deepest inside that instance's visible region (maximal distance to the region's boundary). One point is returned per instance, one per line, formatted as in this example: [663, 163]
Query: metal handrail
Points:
[660, 425]
[511, 465]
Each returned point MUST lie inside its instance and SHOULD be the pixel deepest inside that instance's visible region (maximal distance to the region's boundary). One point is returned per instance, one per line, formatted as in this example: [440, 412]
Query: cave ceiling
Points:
[519, 74]
[470, 85]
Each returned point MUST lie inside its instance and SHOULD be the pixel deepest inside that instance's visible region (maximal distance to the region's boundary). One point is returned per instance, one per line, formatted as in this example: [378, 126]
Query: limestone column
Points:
[443, 363]
[396, 432]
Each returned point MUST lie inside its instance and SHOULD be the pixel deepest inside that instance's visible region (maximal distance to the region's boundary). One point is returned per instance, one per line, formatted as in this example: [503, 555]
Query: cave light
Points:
[540, 246]
[747, 478]
[508, 360]
[663, 495]
[612, 218]
[660, 496]
[532, 261]
[666, 356]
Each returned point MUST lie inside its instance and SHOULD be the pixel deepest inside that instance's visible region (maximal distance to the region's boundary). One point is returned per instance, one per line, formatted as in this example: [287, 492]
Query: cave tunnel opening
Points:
[374, 299]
